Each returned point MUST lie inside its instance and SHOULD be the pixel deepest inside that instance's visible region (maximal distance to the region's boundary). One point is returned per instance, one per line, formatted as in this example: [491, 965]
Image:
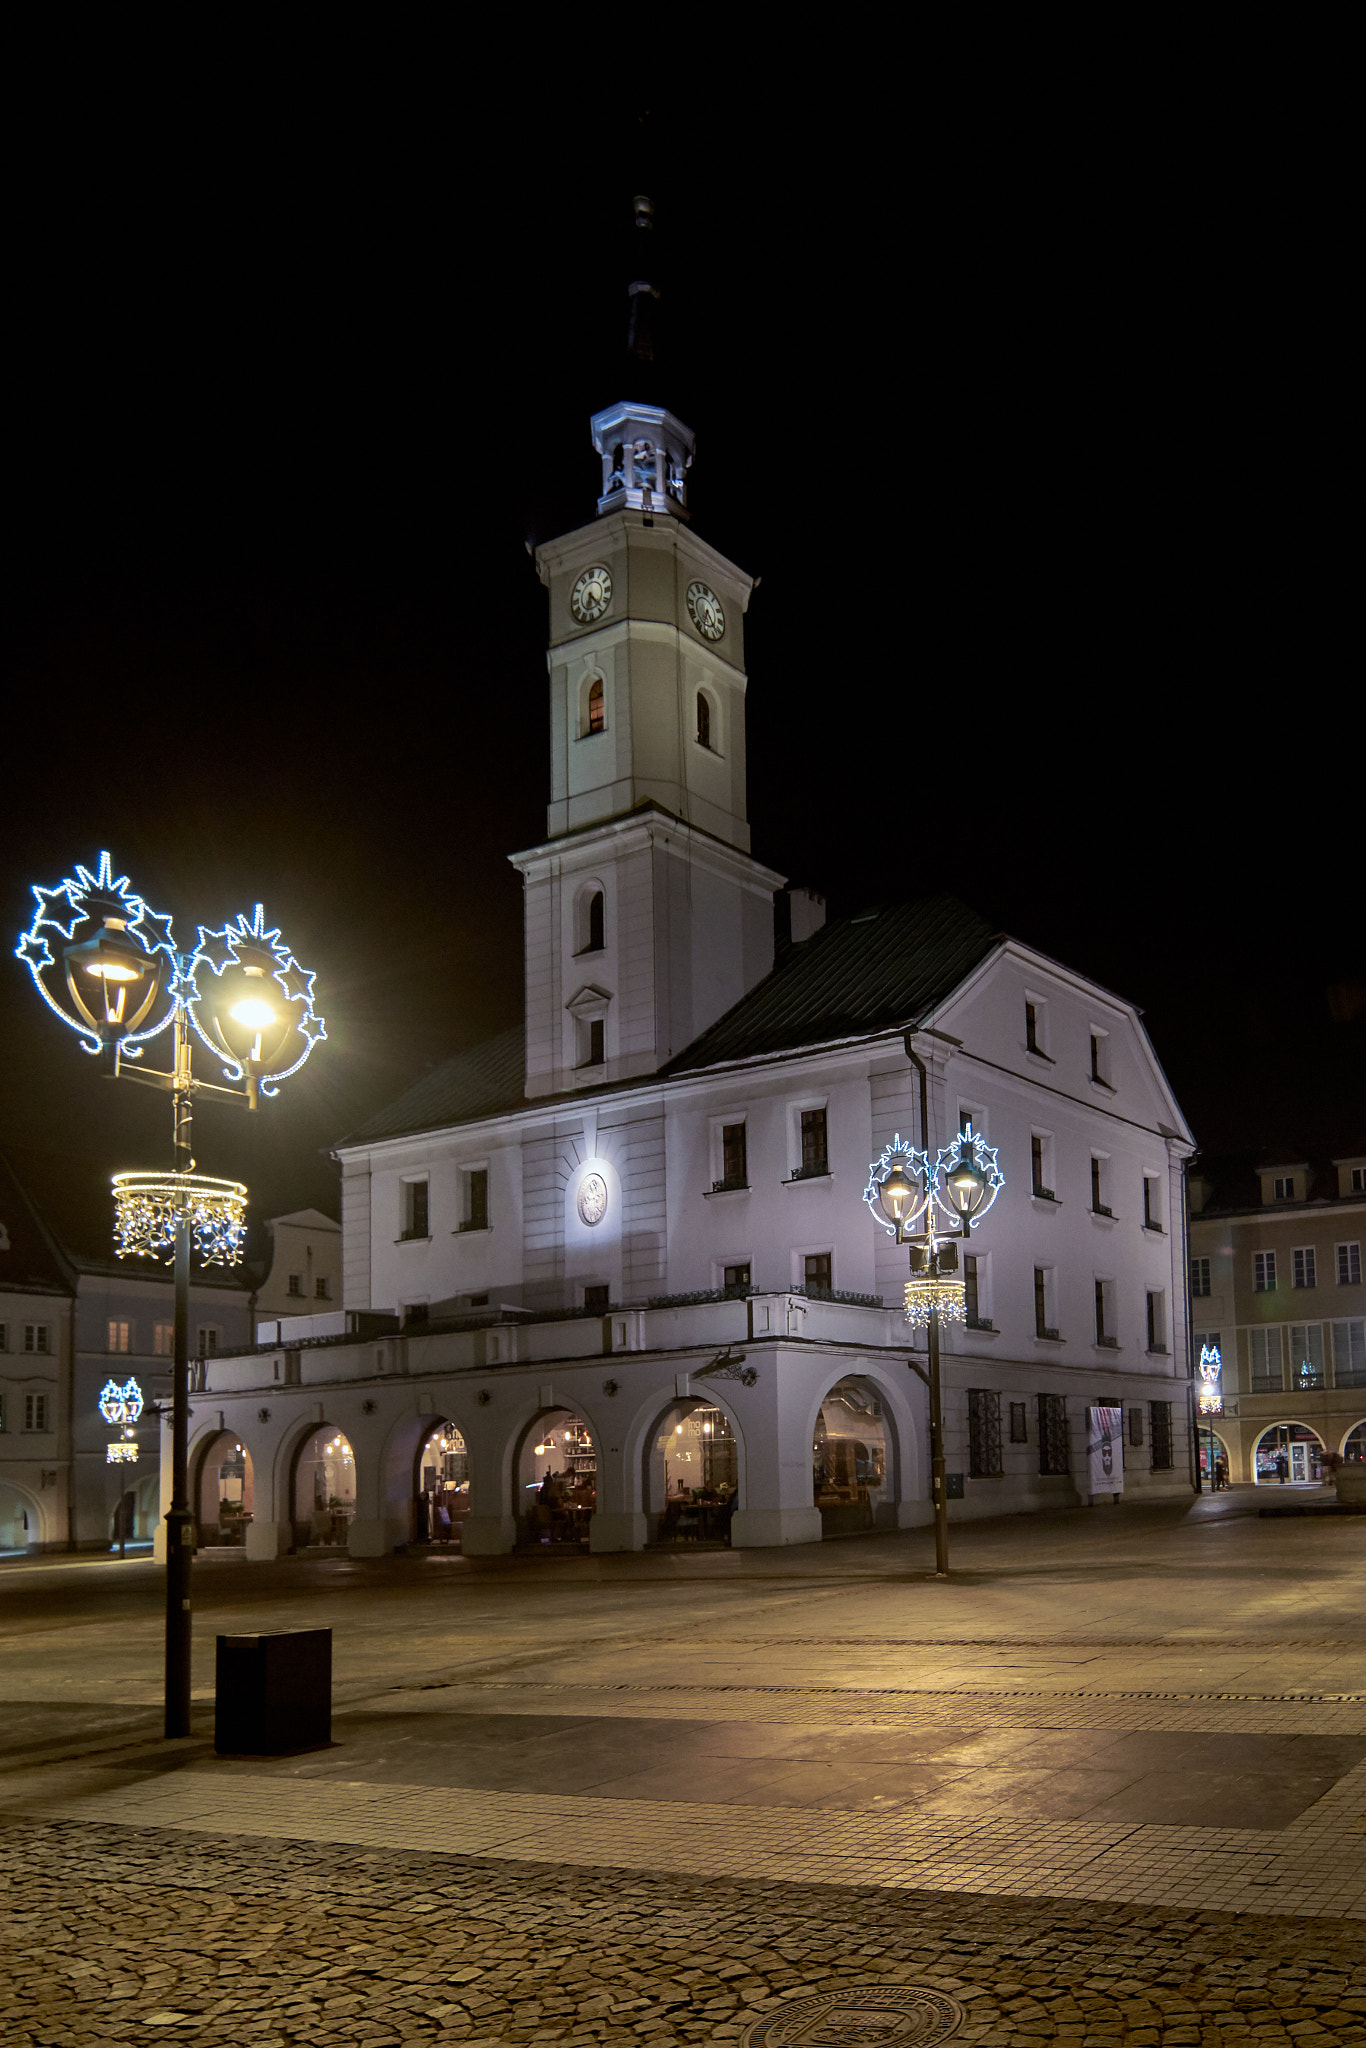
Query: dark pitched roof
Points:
[29, 1254]
[486, 1081]
[874, 972]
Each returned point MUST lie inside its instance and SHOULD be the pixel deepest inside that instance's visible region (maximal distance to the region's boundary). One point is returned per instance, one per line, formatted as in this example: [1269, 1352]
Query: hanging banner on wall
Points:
[1105, 1445]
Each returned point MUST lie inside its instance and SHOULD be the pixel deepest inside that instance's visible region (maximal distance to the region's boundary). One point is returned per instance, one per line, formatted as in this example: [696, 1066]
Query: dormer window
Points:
[1283, 1187]
[703, 720]
[597, 711]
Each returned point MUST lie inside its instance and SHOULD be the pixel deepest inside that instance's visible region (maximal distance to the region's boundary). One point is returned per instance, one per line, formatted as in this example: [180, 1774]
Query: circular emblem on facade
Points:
[593, 1198]
[591, 595]
[861, 2016]
[706, 611]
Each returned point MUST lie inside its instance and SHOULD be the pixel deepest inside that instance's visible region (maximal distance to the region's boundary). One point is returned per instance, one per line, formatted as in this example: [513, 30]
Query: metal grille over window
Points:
[1160, 1431]
[1055, 1452]
[984, 1433]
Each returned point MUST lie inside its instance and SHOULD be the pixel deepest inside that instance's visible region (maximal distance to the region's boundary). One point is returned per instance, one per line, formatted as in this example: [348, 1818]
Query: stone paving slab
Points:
[152, 1936]
[1315, 1866]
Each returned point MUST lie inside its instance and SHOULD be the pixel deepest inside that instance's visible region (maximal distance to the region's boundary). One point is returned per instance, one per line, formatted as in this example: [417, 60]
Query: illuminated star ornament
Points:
[257, 1014]
[1210, 1399]
[100, 959]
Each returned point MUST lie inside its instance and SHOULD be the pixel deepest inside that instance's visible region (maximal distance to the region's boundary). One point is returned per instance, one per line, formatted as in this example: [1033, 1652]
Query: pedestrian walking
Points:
[1282, 1467]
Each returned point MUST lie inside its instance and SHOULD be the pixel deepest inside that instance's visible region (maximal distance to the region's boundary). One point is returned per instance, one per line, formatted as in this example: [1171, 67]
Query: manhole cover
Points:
[860, 2016]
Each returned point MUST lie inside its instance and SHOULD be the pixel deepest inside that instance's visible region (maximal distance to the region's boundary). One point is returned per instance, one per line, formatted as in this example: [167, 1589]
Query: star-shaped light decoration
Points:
[101, 898]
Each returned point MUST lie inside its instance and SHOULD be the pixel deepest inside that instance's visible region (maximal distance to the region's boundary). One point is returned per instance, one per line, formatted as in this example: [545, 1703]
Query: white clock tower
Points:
[645, 916]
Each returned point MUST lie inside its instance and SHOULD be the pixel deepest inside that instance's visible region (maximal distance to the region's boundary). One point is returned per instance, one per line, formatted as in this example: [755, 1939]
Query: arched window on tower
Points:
[597, 716]
[703, 720]
[595, 939]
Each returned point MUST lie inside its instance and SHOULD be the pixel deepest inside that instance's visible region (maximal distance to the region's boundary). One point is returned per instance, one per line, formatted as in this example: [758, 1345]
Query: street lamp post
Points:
[904, 1188]
[124, 985]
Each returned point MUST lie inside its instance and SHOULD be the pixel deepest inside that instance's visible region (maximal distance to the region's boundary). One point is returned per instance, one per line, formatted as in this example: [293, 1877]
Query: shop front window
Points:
[226, 1491]
[849, 1459]
[557, 1482]
[443, 1486]
[324, 1489]
[694, 1475]
[1288, 1454]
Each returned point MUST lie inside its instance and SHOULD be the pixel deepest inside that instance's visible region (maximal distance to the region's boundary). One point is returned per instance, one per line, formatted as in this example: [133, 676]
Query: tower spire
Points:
[646, 451]
[643, 289]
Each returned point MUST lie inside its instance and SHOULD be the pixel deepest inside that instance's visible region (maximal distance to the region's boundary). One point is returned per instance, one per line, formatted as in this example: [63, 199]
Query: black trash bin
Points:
[274, 1693]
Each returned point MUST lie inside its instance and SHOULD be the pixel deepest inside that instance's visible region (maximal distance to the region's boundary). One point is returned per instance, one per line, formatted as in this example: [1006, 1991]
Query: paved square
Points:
[649, 1799]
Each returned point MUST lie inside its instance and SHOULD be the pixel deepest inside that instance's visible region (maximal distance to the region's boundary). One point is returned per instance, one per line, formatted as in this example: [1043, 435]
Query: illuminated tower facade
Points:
[645, 916]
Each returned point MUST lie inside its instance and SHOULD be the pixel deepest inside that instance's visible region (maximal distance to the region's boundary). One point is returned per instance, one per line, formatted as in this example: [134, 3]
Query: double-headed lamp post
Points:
[905, 1187]
[119, 987]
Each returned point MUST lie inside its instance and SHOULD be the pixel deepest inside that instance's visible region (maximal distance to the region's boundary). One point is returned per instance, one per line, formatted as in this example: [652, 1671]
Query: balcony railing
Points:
[980, 1323]
[730, 1187]
[1106, 1343]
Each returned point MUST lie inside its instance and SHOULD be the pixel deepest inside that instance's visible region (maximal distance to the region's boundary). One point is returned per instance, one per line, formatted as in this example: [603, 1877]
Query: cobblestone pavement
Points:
[145, 1937]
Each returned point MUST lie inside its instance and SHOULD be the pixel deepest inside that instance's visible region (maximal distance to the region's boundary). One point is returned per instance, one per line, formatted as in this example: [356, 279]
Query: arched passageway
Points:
[324, 1491]
[441, 1486]
[1354, 1445]
[555, 1483]
[225, 1497]
[19, 1524]
[851, 1458]
[1214, 1452]
[691, 1475]
[1288, 1454]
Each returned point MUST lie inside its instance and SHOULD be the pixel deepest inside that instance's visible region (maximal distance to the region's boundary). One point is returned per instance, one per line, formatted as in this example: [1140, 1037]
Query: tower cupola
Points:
[646, 454]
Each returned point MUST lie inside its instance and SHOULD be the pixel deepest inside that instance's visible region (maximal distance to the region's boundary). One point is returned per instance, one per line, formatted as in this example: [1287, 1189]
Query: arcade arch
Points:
[853, 1457]
[441, 1484]
[1213, 1446]
[21, 1519]
[692, 1474]
[555, 1480]
[1354, 1445]
[224, 1492]
[323, 1489]
[1300, 1447]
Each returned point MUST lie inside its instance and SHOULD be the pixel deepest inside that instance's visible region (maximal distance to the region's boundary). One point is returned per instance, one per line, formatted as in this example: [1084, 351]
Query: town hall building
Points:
[609, 1280]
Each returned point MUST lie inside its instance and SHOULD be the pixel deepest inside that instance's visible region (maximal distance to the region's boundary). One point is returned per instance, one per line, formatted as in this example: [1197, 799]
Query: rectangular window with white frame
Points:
[1349, 1352]
[1264, 1272]
[1100, 1056]
[322, 1290]
[729, 1154]
[972, 1114]
[38, 1339]
[474, 1198]
[818, 1271]
[416, 1211]
[977, 1290]
[1036, 1026]
[1264, 1359]
[1303, 1267]
[119, 1335]
[1306, 1356]
[35, 1413]
[1349, 1264]
[1041, 1165]
[1283, 1189]
[1100, 1184]
[296, 1286]
[1157, 1322]
[208, 1340]
[1106, 1334]
[1045, 1303]
[1152, 1202]
[1200, 1278]
[808, 1142]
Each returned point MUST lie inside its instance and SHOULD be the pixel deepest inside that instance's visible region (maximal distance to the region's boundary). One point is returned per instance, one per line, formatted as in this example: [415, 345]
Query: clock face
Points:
[705, 611]
[591, 595]
[593, 1198]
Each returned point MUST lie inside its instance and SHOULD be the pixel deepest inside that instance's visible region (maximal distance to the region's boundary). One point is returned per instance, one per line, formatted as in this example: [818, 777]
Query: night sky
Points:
[1029, 463]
